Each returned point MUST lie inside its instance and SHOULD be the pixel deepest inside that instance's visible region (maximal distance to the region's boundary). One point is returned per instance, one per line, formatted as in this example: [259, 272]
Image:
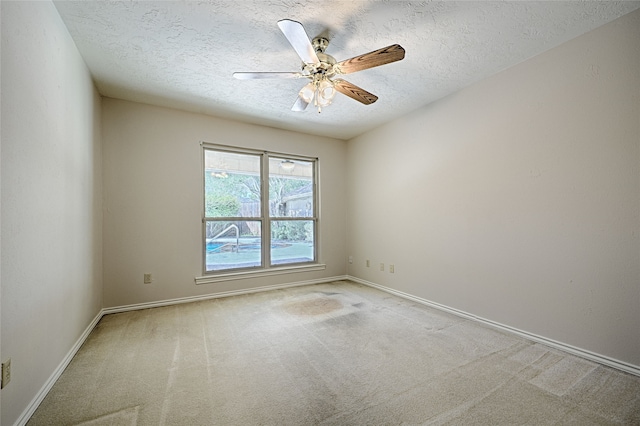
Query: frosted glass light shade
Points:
[325, 93]
[307, 92]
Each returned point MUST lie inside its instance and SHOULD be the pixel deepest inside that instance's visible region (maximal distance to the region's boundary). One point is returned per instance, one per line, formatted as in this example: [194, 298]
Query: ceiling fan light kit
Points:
[321, 69]
[320, 91]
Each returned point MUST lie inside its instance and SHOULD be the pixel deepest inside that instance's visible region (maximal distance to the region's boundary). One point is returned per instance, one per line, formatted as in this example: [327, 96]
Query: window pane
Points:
[232, 184]
[292, 241]
[231, 245]
[290, 188]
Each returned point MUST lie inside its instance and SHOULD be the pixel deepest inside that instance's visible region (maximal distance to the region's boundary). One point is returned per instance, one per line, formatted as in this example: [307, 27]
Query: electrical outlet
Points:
[350, 259]
[392, 269]
[382, 267]
[368, 264]
[148, 278]
[6, 373]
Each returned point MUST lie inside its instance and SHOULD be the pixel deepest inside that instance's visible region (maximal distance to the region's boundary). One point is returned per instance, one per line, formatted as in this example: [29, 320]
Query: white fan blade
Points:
[297, 36]
[261, 75]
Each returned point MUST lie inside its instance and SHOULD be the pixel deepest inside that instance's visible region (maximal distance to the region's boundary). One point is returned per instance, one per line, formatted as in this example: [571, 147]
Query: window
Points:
[260, 210]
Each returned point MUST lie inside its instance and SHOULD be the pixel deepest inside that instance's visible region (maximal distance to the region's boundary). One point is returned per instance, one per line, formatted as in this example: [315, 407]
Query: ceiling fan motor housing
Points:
[326, 65]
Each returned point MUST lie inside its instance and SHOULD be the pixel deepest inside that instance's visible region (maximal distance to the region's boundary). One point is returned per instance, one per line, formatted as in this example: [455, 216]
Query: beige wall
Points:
[51, 199]
[518, 198]
[153, 199]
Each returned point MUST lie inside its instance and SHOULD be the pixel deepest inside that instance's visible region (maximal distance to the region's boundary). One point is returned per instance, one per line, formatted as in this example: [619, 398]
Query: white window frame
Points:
[266, 269]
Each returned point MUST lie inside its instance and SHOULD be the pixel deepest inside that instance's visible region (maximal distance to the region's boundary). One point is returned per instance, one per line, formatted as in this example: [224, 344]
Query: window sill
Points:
[228, 276]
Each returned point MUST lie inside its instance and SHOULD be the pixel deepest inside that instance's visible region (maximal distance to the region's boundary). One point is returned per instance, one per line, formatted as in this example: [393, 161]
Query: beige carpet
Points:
[329, 354]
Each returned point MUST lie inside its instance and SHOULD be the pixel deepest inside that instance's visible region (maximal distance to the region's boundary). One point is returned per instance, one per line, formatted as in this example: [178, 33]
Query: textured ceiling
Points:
[183, 54]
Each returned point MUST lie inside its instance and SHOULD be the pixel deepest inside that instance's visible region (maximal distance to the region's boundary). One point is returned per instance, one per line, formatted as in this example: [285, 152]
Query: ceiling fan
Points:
[321, 68]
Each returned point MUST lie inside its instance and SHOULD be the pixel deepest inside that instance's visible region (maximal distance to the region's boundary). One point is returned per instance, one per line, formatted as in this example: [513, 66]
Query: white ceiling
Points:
[182, 54]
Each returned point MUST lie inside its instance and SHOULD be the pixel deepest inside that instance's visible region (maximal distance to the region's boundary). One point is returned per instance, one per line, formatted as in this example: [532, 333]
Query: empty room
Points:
[333, 213]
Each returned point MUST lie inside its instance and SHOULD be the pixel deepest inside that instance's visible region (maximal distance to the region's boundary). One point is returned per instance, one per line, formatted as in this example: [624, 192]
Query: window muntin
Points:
[240, 189]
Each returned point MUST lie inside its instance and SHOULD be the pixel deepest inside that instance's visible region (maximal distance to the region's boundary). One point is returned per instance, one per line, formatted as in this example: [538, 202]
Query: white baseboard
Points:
[583, 353]
[208, 296]
[33, 405]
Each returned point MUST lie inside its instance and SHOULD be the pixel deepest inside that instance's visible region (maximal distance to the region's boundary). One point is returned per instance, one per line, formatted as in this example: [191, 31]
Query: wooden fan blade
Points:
[386, 55]
[300, 104]
[261, 75]
[297, 36]
[354, 92]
